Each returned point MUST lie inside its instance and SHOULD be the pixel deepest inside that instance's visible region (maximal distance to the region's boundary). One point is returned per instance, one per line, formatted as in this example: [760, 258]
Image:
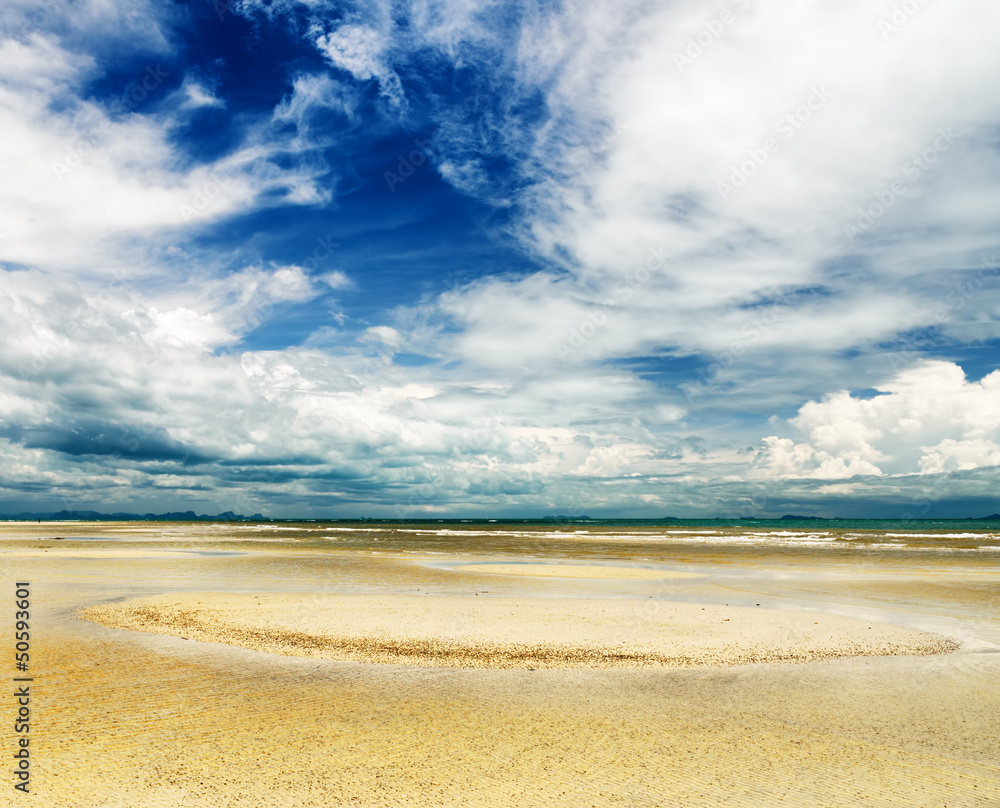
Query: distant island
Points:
[96, 516]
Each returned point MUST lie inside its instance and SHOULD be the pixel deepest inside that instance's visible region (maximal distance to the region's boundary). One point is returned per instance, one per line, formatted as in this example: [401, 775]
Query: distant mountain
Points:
[96, 516]
[799, 518]
[991, 516]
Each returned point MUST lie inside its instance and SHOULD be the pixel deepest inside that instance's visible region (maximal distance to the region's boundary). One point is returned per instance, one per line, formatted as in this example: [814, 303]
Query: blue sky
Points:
[450, 258]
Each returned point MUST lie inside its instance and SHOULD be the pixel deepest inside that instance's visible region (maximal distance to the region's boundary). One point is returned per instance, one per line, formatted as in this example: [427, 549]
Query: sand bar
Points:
[495, 632]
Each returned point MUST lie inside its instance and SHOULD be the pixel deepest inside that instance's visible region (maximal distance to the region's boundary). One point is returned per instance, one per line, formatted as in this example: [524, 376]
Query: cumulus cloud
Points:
[928, 419]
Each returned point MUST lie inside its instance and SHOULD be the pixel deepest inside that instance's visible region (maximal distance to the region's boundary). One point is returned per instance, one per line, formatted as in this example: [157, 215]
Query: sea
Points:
[977, 536]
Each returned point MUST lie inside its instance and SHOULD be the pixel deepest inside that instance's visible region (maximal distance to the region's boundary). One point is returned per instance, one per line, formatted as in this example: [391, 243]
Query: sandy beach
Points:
[234, 668]
[513, 633]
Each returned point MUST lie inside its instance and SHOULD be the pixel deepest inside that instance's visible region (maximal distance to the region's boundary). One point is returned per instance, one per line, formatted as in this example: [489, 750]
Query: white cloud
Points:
[359, 50]
[149, 386]
[670, 412]
[309, 93]
[960, 455]
[197, 96]
[382, 335]
[782, 457]
[336, 280]
[287, 283]
[628, 160]
[928, 420]
[354, 48]
[62, 154]
[178, 328]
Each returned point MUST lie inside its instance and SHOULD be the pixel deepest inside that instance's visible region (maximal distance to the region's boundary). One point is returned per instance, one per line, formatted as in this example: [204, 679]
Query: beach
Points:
[317, 665]
[512, 633]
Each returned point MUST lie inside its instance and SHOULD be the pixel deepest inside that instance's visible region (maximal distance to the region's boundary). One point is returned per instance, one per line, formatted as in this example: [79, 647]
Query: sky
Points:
[432, 258]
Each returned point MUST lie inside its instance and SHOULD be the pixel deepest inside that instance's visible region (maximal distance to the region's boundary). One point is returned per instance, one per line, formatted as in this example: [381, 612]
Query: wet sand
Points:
[130, 718]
